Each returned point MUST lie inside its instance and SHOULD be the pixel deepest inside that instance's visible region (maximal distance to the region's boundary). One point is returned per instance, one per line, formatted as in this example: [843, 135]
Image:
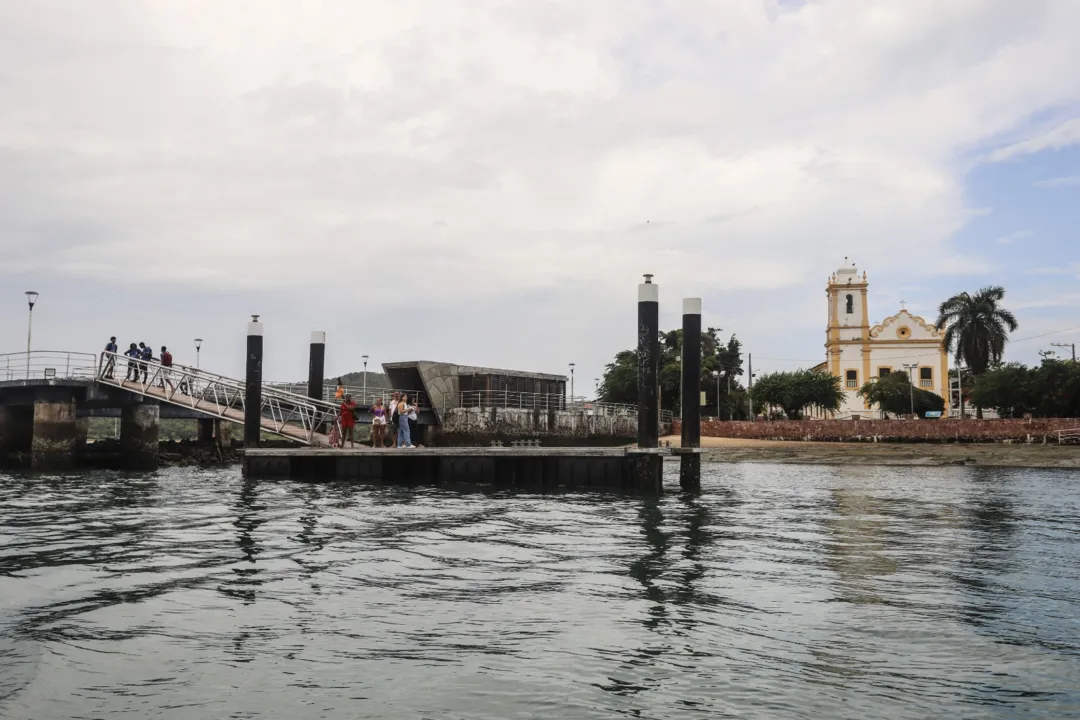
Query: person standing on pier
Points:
[413, 418]
[147, 356]
[378, 423]
[339, 394]
[110, 360]
[392, 417]
[404, 438]
[348, 421]
[133, 356]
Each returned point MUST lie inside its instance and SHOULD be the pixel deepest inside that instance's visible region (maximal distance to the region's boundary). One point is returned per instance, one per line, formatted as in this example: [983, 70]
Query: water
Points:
[781, 592]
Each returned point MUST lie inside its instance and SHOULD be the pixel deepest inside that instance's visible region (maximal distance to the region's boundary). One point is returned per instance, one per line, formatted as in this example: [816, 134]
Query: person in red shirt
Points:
[348, 421]
[166, 363]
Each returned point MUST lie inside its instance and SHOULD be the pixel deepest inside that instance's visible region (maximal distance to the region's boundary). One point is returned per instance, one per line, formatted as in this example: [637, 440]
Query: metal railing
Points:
[1068, 436]
[362, 399]
[47, 365]
[543, 402]
[282, 413]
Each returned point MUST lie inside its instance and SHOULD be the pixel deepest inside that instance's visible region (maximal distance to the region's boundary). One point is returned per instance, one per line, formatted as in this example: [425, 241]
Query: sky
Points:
[486, 181]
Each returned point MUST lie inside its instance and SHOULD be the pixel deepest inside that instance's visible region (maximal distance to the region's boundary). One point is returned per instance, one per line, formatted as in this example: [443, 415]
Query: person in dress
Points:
[378, 423]
[348, 421]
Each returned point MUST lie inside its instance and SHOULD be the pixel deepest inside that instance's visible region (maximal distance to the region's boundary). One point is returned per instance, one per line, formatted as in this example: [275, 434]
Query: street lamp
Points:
[911, 385]
[198, 347]
[365, 359]
[572, 366]
[31, 298]
[716, 374]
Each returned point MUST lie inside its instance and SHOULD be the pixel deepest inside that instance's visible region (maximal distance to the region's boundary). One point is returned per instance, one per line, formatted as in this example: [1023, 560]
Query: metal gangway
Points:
[282, 413]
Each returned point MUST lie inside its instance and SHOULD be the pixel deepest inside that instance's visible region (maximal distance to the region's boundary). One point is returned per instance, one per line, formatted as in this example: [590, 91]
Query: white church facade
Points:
[857, 351]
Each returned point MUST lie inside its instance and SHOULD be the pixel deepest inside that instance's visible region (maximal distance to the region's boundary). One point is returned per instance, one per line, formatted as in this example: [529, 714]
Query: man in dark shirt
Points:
[147, 354]
[110, 360]
[133, 356]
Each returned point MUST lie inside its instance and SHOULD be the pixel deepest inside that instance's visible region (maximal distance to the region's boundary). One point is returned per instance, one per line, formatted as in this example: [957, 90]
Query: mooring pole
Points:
[648, 363]
[316, 365]
[253, 386]
[690, 463]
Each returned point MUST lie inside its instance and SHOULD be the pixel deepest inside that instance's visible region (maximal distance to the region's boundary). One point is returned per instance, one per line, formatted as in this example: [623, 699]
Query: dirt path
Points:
[825, 453]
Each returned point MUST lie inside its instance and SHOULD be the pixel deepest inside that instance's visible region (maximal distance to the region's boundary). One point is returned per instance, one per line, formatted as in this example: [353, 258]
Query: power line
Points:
[1055, 332]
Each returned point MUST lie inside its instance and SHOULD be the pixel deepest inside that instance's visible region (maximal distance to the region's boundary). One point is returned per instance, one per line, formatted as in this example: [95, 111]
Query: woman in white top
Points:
[404, 437]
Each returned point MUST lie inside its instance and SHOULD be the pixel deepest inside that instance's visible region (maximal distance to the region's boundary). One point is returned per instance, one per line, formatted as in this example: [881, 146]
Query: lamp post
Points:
[596, 382]
[31, 298]
[365, 359]
[572, 366]
[716, 374]
[198, 348]
[911, 385]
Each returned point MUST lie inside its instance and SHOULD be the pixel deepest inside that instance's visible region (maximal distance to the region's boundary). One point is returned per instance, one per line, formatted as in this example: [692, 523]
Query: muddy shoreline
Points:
[1004, 454]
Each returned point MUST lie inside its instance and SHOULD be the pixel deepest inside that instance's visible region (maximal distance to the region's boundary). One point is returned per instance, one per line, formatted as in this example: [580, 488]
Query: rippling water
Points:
[780, 592]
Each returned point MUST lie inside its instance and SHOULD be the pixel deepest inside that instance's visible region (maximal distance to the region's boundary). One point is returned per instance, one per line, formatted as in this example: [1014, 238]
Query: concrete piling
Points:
[690, 464]
[316, 365]
[253, 388]
[139, 425]
[648, 469]
[56, 436]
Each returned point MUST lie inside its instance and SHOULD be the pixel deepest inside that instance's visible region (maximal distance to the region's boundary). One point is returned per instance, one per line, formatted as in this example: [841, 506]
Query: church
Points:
[857, 351]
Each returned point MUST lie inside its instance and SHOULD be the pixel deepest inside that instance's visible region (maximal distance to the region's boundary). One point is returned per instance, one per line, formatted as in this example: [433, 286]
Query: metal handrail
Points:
[63, 364]
[362, 400]
[283, 413]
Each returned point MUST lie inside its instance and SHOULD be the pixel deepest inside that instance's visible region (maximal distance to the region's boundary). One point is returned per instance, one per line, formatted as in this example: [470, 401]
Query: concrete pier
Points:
[539, 468]
[206, 429]
[690, 463]
[56, 436]
[139, 437]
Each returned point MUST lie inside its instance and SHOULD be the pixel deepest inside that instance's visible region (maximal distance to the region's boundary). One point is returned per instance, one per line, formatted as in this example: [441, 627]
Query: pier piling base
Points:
[56, 436]
[690, 472]
[139, 437]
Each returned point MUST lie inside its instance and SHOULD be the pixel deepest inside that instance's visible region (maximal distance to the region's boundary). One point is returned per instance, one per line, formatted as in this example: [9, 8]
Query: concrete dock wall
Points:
[1036, 430]
[523, 423]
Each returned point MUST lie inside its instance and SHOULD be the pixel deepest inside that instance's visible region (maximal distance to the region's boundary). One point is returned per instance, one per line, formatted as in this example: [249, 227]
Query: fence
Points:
[360, 397]
[543, 402]
[47, 365]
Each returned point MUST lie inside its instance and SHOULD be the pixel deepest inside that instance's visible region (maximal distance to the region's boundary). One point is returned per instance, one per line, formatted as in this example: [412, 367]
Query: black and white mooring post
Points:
[690, 463]
[648, 349]
[316, 365]
[253, 386]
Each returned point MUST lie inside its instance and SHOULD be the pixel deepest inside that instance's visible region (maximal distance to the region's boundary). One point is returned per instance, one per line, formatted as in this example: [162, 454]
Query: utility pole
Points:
[911, 386]
[750, 362]
[1071, 346]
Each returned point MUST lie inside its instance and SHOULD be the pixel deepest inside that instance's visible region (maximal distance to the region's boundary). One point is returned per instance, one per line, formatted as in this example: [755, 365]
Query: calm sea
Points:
[779, 592]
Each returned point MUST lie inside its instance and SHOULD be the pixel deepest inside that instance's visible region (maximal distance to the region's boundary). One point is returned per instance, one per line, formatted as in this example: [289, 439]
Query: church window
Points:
[850, 304]
[883, 372]
[903, 332]
[852, 378]
[926, 377]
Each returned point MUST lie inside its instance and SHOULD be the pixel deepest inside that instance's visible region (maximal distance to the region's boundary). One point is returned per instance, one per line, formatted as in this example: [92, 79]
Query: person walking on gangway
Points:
[110, 359]
[166, 364]
[133, 356]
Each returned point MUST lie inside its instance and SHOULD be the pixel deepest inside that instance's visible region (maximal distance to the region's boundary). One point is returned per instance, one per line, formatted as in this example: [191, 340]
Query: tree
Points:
[619, 384]
[1050, 390]
[895, 394]
[794, 392]
[976, 329]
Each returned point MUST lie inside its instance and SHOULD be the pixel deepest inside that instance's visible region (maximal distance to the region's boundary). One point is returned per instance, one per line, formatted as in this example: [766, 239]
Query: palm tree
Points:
[976, 329]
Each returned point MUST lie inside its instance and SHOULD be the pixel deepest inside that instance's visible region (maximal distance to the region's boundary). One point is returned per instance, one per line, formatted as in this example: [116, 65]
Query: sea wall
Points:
[1037, 430]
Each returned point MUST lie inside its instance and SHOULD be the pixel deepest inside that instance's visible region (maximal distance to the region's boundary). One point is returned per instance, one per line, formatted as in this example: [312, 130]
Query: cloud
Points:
[1058, 182]
[496, 153]
[1014, 236]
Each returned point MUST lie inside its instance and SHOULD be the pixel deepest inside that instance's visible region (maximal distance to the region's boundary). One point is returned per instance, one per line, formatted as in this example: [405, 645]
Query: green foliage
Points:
[796, 391]
[375, 380]
[894, 394]
[1050, 390]
[619, 384]
[976, 327]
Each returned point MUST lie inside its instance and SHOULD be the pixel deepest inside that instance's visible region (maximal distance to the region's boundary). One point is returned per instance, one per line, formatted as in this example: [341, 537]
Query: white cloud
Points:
[1014, 236]
[1058, 182]
[489, 150]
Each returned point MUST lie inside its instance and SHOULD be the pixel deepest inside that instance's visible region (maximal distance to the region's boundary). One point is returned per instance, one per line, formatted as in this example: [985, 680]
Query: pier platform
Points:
[540, 468]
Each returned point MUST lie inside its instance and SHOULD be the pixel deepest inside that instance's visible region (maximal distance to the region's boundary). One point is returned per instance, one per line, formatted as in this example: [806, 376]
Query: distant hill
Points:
[375, 380]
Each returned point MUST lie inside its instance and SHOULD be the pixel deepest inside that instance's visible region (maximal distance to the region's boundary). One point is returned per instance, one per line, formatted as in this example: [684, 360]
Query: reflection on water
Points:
[779, 591]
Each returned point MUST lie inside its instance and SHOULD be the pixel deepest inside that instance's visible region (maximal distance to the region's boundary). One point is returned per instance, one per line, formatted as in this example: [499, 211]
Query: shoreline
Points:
[799, 452]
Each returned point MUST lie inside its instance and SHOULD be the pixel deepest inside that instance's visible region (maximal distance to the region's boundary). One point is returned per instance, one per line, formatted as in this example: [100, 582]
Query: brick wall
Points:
[1038, 430]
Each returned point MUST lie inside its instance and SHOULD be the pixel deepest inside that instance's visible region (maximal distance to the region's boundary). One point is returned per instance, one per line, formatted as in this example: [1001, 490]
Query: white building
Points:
[857, 351]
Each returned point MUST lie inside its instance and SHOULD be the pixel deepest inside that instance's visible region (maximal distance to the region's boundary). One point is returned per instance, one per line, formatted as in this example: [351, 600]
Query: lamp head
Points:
[198, 343]
[31, 298]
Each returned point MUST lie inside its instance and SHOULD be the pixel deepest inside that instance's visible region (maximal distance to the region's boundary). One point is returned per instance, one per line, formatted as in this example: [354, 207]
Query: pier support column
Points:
[648, 348]
[253, 389]
[56, 436]
[690, 464]
[317, 365]
[206, 429]
[16, 435]
[139, 437]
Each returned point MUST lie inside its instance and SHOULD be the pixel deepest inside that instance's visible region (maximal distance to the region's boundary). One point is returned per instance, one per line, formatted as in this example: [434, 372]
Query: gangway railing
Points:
[363, 399]
[282, 413]
[47, 365]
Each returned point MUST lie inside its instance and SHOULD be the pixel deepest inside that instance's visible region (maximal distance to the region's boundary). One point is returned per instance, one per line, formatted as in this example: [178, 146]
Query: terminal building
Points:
[448, 385]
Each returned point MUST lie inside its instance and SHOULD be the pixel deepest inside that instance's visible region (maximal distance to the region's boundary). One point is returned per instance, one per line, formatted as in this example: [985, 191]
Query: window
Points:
[852, 377]
[926, 377]
[850, 304]
[883, 372]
